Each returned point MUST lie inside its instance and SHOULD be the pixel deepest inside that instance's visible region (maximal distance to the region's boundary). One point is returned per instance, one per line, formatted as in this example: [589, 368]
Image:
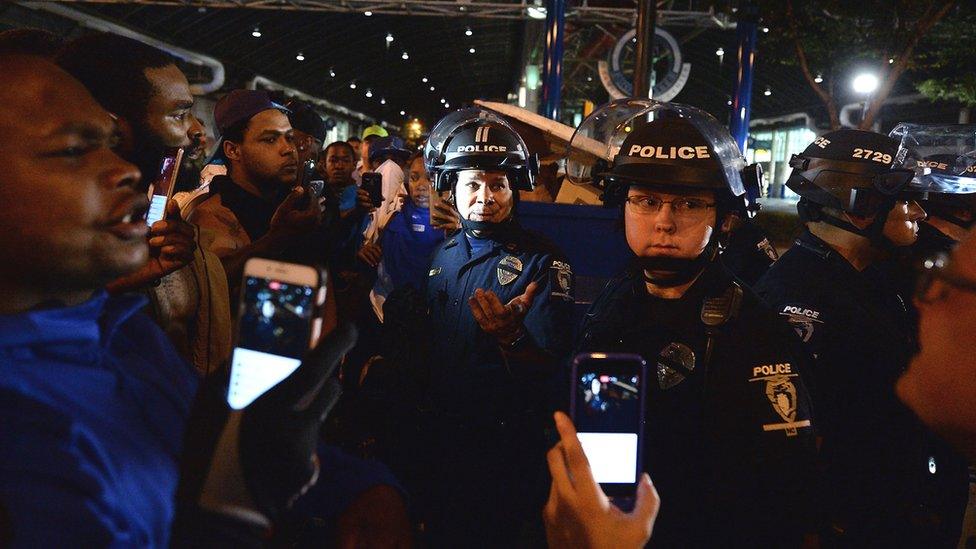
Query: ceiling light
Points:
[819, 78]
[300, 56]
[865, 83]
[467, 31]
[447, 105]
[352, 85]
[765, 29]
[471, 50]
[768, 92]
[403, 113]
[369, 93]
[729, 102]
[382, 101]
[368, 13]
[331, 73]
[424, 80]
[432, 88]
[389, 37]
[536, 12]
[891, 60]
[256, 32]
[443, 100]
[720, 51]
[405, 56]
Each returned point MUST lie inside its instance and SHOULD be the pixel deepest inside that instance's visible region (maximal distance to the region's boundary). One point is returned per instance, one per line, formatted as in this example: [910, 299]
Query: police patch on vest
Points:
[509, 268]
[768, 249]
[803, 320]
[781, 394]
[562, 280]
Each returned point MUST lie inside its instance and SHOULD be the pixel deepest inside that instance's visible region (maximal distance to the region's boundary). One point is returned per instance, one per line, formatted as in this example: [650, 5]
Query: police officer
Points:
[730, 443]
[499, 300]
[887, 480]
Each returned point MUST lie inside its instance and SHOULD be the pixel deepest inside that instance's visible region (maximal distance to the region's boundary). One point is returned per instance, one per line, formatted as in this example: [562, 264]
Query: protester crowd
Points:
[816, 399]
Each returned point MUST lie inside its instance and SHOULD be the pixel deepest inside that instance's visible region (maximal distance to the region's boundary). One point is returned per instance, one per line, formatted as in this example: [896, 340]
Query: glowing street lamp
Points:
[865, 83]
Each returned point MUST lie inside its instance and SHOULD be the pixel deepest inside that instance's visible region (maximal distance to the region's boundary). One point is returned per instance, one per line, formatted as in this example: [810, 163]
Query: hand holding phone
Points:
[579, 514]
[161, 190]
[608, 410]
[277, 324]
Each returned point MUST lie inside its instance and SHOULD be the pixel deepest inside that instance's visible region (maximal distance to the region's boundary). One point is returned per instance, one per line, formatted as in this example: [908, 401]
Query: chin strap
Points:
[677, 270]
[486, 229]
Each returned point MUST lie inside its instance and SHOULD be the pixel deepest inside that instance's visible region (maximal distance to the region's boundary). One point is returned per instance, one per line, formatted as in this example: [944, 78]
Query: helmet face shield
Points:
[943, 156]
[642, 141]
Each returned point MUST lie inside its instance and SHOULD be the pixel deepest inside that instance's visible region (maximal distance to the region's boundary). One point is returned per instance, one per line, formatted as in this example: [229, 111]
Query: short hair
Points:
[113, 67]
[37, 42]
[370, 138]
[352, 152]
[354, 139]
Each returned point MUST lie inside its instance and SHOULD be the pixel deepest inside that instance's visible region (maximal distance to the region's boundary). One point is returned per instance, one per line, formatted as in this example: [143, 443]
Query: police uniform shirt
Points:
[887, 479]
[730, 446]
[748, 254]
[469, 373]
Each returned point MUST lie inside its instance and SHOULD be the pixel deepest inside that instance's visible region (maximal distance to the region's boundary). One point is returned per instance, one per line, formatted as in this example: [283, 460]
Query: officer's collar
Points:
[813, 244]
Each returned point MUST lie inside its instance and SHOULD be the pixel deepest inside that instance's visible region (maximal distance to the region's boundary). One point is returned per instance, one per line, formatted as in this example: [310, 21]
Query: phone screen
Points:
[162, 189]
[273, 336]
[608, 413]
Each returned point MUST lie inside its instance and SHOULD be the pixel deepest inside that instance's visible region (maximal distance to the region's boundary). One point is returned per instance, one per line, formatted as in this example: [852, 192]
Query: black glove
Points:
[253, 463]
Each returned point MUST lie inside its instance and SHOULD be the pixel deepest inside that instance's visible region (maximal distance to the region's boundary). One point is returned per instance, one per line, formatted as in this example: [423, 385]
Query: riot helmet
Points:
[945, 157]
[667, 145]
[858, 172]
[854, 171]
[476, 139]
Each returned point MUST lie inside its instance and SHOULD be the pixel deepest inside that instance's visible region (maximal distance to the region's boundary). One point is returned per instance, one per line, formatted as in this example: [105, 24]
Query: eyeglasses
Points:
[937, 268]
[684, 208]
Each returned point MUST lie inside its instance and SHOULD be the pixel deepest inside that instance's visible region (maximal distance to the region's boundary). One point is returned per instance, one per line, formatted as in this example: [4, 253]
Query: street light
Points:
[300, 56]
[389, 38]
[467, 31]
[865, 83]
[256, 32]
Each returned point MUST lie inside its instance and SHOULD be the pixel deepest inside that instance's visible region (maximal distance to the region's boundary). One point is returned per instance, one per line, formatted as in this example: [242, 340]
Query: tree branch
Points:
[801, 56]
[922, 26]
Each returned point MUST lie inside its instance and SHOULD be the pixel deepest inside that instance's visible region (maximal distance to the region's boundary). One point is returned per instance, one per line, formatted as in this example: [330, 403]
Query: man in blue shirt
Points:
[94, 399]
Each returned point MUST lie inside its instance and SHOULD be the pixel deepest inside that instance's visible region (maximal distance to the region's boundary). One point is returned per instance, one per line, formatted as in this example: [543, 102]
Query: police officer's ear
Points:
[731, 222]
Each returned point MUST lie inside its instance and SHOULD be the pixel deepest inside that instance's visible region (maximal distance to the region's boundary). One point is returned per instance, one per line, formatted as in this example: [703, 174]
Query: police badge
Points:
[509, 268]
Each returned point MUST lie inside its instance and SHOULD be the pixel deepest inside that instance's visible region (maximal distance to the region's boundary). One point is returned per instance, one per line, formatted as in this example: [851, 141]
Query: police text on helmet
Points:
[684, 153]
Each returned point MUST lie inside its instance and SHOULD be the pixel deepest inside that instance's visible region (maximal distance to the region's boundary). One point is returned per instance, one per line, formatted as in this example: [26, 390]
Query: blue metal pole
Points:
[552, 65]
[745, 58]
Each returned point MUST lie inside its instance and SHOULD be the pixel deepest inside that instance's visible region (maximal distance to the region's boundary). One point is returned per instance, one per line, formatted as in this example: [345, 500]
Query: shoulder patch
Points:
[561, 280]
[782, 396]
[803, 319]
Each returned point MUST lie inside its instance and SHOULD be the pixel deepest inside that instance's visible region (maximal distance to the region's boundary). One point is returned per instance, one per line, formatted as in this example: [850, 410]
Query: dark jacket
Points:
[730, 447]
[887, 479]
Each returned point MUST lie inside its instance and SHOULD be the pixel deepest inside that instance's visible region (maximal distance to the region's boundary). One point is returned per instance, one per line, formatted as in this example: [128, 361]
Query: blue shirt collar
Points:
[93, 322]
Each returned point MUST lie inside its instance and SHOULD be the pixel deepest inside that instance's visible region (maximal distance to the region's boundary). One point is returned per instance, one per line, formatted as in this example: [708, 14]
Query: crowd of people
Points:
[817, 399]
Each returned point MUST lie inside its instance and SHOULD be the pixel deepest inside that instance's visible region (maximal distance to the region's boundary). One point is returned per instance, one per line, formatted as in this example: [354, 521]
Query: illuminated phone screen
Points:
[273, 336]
[162, 189]
[607, 413]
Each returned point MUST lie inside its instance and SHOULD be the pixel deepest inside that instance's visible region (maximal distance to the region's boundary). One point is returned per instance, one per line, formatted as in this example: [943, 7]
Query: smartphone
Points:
[373, 183]
[607, 406]
[443, 197]
[161, 190]
[277, 323]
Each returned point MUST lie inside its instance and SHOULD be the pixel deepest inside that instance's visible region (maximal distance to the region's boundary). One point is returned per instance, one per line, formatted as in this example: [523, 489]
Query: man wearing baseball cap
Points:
[253, 210]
